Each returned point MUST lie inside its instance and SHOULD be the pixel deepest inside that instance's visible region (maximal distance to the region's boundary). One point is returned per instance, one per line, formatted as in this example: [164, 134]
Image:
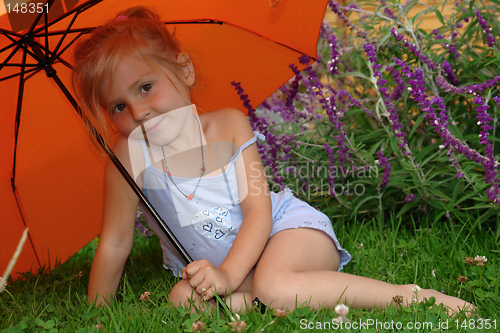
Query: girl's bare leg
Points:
[298, 266]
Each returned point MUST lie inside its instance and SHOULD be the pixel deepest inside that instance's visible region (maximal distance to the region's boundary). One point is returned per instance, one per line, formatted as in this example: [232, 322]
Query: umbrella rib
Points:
[18, 65]
[271, 40]
[9, 32]
[46, 33]
[10, 55]
[20, 44]
[211, 21]
[66, 33]
[62, 17]
[58, 56]
[35, 70]
[65, 63]
[39, 16]
[61, 32]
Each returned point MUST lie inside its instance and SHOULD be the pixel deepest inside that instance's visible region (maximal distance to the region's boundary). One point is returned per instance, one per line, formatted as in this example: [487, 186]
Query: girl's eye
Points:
[146, 87]
[119, 108]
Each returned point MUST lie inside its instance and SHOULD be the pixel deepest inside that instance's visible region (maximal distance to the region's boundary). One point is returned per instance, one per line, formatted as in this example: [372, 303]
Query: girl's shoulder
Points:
[226, 125]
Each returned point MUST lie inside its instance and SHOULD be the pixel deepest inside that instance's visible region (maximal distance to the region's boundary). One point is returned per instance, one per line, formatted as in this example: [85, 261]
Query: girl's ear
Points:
[187, 69]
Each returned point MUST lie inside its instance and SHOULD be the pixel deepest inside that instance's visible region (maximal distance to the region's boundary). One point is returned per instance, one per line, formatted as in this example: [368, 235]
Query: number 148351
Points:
[25, 8]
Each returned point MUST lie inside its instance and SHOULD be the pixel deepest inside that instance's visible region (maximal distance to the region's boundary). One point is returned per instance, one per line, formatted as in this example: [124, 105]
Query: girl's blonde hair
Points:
[137, 29]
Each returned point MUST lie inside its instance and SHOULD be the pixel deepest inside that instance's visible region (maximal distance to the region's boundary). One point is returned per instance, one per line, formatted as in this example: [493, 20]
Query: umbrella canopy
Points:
[50, 172]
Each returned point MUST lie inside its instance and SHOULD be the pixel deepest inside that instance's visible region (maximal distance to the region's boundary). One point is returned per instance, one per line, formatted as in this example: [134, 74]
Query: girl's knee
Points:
[270, 290]
[181, 293]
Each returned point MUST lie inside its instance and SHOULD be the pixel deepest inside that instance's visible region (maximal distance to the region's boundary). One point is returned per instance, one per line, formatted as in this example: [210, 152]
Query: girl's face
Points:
[139, 94]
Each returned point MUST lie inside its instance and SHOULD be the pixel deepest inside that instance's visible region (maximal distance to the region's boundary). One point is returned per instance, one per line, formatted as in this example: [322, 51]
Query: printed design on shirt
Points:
[214, 223]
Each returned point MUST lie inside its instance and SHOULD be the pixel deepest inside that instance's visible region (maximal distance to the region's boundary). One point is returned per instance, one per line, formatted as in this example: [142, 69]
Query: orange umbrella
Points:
[51, 174]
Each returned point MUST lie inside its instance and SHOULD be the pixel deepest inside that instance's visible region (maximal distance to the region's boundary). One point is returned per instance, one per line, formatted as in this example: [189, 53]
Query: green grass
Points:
[56, 301]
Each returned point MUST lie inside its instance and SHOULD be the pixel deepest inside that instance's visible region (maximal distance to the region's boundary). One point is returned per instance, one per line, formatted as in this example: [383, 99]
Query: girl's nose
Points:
[139, 113]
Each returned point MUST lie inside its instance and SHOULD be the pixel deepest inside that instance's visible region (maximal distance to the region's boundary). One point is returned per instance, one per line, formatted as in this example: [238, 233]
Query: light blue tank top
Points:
[206, 225]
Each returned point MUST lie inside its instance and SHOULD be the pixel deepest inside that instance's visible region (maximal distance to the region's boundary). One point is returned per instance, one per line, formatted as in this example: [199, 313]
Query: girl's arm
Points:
[115, 243]
[257, 220]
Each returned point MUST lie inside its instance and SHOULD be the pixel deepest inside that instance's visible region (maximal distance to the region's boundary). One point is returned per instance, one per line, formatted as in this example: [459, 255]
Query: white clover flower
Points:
[416, 289]
[342, 310]
[479, 258]
[412, 300]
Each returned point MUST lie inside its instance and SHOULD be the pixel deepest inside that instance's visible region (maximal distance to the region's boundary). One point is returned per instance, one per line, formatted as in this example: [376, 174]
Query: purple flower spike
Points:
[273, 144]
[387, 11]
[400, 84]
[497, 99]
[331, 66]
[449, 73]
[490, 40]
[391, 108]
[386, 174]
[483, 119]
[417, 83]
[410, 197]
[413, 48]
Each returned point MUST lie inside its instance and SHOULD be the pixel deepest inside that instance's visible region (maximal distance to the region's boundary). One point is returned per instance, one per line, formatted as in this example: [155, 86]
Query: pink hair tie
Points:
[121, 18]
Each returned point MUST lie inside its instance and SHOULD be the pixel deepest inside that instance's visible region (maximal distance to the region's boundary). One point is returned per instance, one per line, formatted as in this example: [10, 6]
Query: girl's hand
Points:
[206, 279]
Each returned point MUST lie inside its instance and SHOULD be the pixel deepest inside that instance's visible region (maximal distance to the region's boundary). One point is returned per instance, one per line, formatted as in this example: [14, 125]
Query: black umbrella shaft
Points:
[51, 72]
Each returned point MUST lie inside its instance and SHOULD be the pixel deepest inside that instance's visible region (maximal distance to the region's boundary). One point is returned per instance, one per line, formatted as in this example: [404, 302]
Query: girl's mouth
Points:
[154, 128]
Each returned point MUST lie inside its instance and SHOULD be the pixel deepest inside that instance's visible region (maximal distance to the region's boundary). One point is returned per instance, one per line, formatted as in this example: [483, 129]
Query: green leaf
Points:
[49, 324]
[358, 74]
[437, 192]
[39, 322]
[354, 211]
[415, 126]
[439, 16]
[479, 292]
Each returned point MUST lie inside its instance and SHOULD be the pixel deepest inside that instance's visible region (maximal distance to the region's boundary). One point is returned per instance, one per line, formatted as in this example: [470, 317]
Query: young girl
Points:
[203, 174]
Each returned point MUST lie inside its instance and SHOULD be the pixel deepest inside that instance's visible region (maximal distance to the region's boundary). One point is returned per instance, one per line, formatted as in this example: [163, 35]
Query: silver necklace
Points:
[167, 171]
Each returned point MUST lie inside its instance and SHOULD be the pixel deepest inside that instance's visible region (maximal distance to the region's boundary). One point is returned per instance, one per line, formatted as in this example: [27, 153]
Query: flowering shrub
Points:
[392, 118]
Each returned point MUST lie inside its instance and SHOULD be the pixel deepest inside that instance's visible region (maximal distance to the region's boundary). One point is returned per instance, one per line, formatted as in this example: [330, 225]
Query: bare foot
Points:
[454, 305]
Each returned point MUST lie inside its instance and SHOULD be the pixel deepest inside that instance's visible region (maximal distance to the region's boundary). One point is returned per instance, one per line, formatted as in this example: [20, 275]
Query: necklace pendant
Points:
[169, 174]
[203, 169]
[190, 197]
